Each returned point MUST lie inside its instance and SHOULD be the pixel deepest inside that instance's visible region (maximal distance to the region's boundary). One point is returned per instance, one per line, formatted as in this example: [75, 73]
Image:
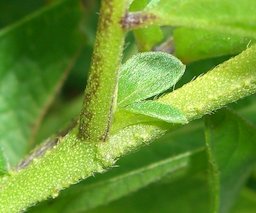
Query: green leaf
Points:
[197, 44]
[11, 11]
[231, 144]
[35, 54]
[176, 154]
[187, 195]
[158, 110]
[246, 202]
[146, 75]
[59, 118]
[2, 163]
[223, 16]
[148, 38]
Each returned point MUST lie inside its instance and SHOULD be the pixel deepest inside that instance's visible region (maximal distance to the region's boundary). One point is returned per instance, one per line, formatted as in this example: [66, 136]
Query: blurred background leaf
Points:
[203, 31]
[13, 10]
[3, 166]
[231, 144]
[235, 17]
[246, 203]
[36, 54]
[196, 44]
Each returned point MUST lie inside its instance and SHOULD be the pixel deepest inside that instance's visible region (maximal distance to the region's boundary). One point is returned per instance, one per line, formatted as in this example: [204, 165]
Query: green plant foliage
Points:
[146, 38]
[246, 202]
[2, 163]
[32, 68]
[228, 16]
[196, 44]
[216, 85]
[19, 9]
[146, 75]
[224, 28]
[158, 110]
[231, 144]
[104, 160]
[183, 196]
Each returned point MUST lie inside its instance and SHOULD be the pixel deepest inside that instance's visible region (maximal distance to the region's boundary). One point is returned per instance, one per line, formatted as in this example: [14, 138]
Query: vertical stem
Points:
[96, 114]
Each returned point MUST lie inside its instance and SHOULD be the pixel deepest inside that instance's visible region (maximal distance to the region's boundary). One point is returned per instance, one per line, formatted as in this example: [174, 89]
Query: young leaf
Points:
[158, 110]
[147, 74]
[231, 144]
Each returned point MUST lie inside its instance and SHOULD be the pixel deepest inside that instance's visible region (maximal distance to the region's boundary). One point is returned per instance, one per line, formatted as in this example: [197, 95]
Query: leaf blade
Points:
[158, 110]
[196, 44]
[147, 74]
[32, 68]
[231, 144]
[226, 16]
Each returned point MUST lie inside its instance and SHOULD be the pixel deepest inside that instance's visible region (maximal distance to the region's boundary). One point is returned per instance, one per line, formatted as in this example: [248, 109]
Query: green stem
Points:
[226, 83]
[96, 114]
[72, 159]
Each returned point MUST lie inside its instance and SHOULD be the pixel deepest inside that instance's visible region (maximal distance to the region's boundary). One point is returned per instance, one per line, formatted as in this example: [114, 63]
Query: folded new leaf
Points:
[158, 110]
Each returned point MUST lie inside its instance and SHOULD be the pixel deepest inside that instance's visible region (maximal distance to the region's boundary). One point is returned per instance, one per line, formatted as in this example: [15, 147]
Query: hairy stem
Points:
[226, 83]
[96, 114]
[72, 160]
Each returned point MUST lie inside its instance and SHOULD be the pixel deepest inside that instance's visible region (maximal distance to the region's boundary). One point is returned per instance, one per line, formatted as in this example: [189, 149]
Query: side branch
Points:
[99, 98]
